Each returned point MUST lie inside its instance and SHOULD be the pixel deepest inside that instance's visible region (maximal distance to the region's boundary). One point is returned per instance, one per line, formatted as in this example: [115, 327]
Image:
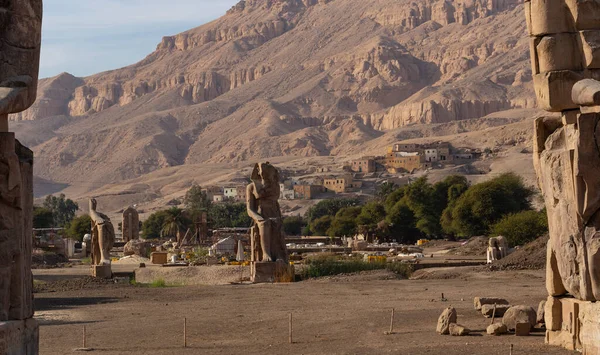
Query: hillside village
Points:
[360, 176]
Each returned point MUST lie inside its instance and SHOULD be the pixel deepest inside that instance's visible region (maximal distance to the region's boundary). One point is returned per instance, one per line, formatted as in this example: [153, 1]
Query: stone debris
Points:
[540, 312]
[496, 329]
[488, 310]
[519, 314]
[458, 330]
[522, 329]
[449, 316]
[478, 302]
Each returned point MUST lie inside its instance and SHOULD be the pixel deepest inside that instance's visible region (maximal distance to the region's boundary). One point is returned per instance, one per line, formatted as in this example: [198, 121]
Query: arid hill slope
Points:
[277, 78]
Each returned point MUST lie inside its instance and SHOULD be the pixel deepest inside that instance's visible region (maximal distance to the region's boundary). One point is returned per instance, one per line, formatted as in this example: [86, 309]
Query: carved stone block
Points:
[553, 313]
[557, 52]
[102, 271]
[19, 337]
[553, 89]
[585, 13]
[269, 272]
[589, 317]
[130, 224]
[589, 42]
[549, 17]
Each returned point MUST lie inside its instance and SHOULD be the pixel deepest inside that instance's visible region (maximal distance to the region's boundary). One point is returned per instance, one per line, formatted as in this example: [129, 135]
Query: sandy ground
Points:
[342, 315]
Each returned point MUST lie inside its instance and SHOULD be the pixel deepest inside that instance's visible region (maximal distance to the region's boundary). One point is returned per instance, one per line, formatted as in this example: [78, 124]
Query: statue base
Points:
[573, 324]
[102, 271]
[270, 272]
[19, 337]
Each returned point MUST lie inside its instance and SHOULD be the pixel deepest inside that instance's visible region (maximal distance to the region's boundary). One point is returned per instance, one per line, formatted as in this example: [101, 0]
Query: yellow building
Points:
[401, 161]
[342, 184]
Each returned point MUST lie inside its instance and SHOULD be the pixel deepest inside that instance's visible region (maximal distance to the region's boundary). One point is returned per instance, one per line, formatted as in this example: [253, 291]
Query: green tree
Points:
[320, 225]
[195, 200]
[229, 215]
[79, 227]
[42, 217]
[522, 228]
[344, 223]
[63, 209]
[329, 208]
[394, 197]
[401, 224]
[484, 204]
[151, 227]
[385, 189]
[293, 225]
[175, 223]
[370, 215]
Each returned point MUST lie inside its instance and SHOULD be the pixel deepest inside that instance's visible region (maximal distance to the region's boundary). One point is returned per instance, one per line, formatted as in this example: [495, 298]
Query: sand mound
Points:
[532, 256]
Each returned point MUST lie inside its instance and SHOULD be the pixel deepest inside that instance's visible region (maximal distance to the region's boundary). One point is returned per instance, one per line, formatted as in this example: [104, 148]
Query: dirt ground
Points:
[346, 315]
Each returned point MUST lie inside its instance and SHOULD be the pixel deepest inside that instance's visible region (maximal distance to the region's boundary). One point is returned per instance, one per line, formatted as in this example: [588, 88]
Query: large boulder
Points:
[496, 329]
[137, 247]
[519, 314]
[447, 317]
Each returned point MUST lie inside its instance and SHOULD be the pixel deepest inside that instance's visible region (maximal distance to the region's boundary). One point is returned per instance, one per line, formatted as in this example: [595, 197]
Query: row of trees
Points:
[449, 208]
[168, 223]
[59, 212]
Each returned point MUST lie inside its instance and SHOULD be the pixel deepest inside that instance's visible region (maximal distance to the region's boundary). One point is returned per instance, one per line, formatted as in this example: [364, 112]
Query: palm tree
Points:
[173, 224]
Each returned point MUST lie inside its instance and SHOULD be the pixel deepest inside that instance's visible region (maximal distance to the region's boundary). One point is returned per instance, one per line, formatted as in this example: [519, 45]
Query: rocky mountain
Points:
[271, 78]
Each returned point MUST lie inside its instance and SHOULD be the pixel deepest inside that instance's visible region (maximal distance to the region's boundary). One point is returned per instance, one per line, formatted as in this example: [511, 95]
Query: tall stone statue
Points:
[565, 37]
[130, 224]
[268, 251]
[103, 239]
[20, 38]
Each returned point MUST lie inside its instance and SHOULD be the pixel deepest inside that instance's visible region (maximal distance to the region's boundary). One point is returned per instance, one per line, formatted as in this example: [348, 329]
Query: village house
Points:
[235, 193]
[404, 161]
[211, 191]
[307, 192]
[342, 184]
[364, 165]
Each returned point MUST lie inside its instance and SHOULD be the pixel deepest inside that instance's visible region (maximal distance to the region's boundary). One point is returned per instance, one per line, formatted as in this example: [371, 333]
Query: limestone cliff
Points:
[285, 77]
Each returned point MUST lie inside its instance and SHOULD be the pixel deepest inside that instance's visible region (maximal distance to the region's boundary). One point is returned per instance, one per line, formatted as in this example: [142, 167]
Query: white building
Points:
[431, 155]
[230, 192]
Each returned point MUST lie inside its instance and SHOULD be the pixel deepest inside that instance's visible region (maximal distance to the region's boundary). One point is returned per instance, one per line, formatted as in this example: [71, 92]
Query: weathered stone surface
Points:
[522, 329]
[553, 313]
[458, 330]
[159, 257]
[548, 17]
[540, 312]
[569, 117]
[516, 314]
[557, 52]
[102, 271]
[488, 309]
[448, 316]
[267, 272]
[103, 236]
[19, 337]
[19, 54]
[137, 247]
[553, 89]
[589, 42]
[585, 13]
[478, 302]
[586, 92]
[130, 224]
[496, 329]
[561, 339]
[589, 316]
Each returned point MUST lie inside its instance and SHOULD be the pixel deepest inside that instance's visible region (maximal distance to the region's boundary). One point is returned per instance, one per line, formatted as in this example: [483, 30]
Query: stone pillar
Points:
[130, 224]
[17, 328]
[564, 42]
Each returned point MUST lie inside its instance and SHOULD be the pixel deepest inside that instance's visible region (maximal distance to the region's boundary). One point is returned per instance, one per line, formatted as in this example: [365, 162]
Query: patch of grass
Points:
[86, 261]
[401, 269]
[158, 283]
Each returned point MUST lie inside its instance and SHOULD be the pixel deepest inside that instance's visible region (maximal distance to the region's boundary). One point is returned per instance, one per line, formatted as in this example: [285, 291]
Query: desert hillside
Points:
[283, 79]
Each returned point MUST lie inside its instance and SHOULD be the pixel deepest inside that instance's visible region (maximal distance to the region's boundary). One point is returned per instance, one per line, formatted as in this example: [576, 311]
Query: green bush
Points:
[158, 283]
[523, 227]
[401, 269]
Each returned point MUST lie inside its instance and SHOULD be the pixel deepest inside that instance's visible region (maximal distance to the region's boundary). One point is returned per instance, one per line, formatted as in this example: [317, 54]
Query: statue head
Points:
[265, 178]
[93, 204]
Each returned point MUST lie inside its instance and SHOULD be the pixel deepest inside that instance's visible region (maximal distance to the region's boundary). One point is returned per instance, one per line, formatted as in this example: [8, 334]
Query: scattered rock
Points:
[541, 312]
[458, 330]
[497, 329]
[488, 309]
[137, 247]
[518, 314]
[522, 329]
[447, 317]
[478, 302]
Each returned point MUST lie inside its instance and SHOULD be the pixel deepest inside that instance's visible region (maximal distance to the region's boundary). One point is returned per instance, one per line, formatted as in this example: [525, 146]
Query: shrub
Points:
[158, 283]
[523, 227]
[331, 265]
